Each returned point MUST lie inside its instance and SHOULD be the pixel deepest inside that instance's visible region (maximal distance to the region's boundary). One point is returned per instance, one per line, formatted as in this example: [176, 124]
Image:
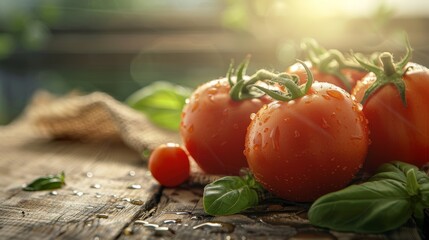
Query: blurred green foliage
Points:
[29, 27]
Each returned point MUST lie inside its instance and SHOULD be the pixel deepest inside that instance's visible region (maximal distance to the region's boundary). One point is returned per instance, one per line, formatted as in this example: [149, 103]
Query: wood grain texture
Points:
[41, 215]
[102, 173]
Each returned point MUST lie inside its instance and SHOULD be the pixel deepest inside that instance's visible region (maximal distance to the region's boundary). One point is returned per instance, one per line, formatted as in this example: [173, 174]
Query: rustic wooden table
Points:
[109, 194]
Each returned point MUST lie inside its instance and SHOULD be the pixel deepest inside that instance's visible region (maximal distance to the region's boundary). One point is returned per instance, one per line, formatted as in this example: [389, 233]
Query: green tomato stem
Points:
[386, 59]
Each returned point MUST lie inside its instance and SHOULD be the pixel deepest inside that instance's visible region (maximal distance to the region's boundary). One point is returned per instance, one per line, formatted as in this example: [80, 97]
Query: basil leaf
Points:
[45, 183]
[230, 195]
[161, 102]
[398, 171]
[371, 207]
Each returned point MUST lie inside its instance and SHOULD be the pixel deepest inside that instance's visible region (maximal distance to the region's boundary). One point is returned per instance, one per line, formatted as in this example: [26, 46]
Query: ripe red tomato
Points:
[351, 75]
[309, 146]
[169, 165]
[397, 132]
[214, 126]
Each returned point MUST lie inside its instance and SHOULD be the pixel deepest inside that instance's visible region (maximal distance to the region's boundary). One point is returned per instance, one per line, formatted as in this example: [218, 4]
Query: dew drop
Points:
[141, 222]
[119, 206]
[131, 173]
[216, 227]
[196, 218]
[356, 137]
[182, 213]
[335, 94]
[275, 138]
[191, 129]
[325, 124]
[297, 134]
[252, 116]
[212, 90]
[211, 97]
[77, 193]
[326, 97]
[96, 186]
[151, 225]
[89, 174]
[53, 193]
[172, 221]
[135, 186]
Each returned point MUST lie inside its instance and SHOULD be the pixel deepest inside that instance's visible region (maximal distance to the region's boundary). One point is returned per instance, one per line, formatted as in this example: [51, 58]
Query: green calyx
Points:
[329, 61]
[387, 73]
[243, 89]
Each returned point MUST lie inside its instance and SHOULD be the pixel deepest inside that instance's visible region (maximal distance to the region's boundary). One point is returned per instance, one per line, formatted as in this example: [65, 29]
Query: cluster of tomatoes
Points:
[302, 138]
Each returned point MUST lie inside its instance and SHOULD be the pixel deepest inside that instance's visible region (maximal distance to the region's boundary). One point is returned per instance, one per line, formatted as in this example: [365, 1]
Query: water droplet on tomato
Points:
[356, 137]
[326, 97]
[211, 97]
[297, 134]
[225, 112]
[191, 129]
[252, 116]
[335, 94]
[325, 124]
[258, 139]
[275, 138]
[235, 126]
[266, 130]
[212, 90]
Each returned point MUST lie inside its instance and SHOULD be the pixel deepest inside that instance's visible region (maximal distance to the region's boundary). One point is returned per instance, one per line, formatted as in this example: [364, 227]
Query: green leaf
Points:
[161, 102]
[230, 195]
[47, 182]
[398, 171]
[395, 193]
[372, 207]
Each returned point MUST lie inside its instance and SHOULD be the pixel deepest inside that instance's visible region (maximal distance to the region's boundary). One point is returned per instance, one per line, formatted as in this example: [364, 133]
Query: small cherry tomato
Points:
[169, 165]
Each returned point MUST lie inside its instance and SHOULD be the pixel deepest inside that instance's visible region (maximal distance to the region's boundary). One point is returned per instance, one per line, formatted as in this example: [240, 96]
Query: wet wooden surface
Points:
[98, 201]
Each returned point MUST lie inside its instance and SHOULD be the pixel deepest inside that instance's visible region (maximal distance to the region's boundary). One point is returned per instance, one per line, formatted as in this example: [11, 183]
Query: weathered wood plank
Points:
[78, 210]
[84, 210]
[180, 215]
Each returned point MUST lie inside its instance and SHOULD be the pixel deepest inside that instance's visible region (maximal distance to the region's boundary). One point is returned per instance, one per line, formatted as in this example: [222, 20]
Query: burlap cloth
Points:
[99, 117]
